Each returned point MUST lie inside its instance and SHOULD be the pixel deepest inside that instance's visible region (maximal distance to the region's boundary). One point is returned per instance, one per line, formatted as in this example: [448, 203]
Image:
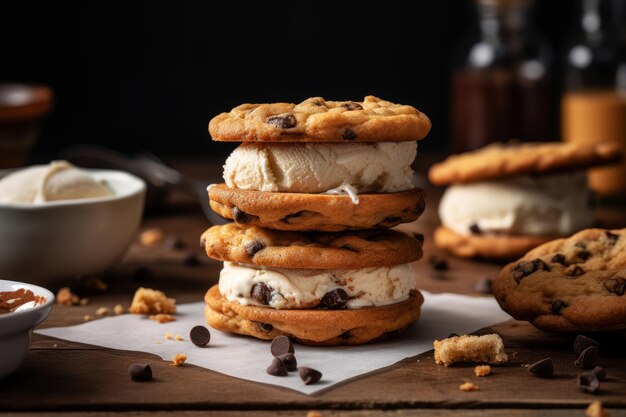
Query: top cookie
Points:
[318, 120]
[504, 160]
[310, 250]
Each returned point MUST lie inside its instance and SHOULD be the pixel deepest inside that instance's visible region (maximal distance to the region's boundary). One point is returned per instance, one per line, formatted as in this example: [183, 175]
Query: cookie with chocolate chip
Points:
[574, 284]
[319, 120]
[501, 160]
[320, 212]
[312, 327]
[310, 250]
[486, 246]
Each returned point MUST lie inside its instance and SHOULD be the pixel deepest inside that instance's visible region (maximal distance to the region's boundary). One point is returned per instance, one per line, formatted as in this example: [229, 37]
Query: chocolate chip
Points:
[420, 207]
[584, 255]
[253, 247]
[289, 360]
[241, 216]
[345, 335]
[350, 248]
[475, 230]
[559, 259]
[574, 271]
[277, 368]
[348, 134]
[281, 345]
[438, 263]
[309, 375]
[200, 335]
[174, 242]
[265, 327]
[390, 220]
[483, 286]
[557, 306]
[419, 237]
[334, 299]
[588, 382]
[351, 105]
[587, 358]
[599, 372]
[582, 342]
[523, 269]
[192, 260]
[283, 121]
[615, 285]
[140, 372]
[612, 237]
[261, 293]
[543, 368]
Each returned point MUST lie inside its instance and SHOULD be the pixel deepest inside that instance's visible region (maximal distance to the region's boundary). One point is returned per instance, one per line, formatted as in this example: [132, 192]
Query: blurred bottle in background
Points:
[593, 107]
[501, 85]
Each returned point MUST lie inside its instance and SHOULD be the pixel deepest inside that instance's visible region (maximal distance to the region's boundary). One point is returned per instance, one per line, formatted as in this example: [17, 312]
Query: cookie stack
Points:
[506, 199]
[313, 190]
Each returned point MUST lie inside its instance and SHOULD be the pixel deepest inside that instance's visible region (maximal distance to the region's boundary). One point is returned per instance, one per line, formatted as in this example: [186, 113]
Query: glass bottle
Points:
[501, 85]
[593, 106]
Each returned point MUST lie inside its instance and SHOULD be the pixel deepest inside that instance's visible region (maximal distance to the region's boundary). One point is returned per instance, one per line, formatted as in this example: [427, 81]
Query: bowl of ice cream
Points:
[22, 307]
[60, 222]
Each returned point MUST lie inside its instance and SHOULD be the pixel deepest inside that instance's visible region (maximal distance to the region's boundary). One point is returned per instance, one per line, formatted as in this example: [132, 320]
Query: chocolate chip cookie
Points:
[312, 327]
[310, 250]
[320, 212]
[318, 120]
[575, 284]
[501, 160]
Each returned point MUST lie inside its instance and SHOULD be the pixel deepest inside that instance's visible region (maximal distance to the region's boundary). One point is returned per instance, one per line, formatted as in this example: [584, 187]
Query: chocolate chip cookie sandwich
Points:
[506, 199]
[320, 165]
[312, 190]
[575, 284]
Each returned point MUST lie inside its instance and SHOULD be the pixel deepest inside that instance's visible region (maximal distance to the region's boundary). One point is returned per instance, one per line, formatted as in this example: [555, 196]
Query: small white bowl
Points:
[70, 238]
[17, 327]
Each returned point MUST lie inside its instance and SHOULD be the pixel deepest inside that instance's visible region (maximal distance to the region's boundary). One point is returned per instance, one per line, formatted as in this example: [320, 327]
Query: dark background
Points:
[143, 75]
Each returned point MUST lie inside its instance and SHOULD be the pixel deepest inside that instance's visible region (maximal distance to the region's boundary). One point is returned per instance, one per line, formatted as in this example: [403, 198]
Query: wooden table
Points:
[60, 376]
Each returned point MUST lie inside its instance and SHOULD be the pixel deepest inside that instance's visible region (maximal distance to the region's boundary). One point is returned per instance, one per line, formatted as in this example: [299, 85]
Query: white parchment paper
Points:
[247, 358]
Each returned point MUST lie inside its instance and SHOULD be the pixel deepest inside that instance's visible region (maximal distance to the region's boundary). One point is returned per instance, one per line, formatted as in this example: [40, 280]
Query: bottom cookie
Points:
[500, 247]
[312, 327]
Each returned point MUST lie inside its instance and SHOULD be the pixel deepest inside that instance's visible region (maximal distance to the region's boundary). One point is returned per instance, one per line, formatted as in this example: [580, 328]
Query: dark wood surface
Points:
[60, 376]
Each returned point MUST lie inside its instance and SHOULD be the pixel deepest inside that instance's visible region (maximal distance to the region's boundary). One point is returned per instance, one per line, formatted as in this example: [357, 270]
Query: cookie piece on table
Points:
[575, 284]
[312, 327]
[487, 246]
[320, 212]
[318, 120]
[500, 160]
[310, 250]
[468, 348]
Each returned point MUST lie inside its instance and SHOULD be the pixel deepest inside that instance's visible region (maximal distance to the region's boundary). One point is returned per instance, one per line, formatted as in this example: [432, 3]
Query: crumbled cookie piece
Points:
[102, 311]
[488, 348]
[168, 336]
[87, 317]
[469, 386]
[596, 409]
[151, 237]
[162, 318]
[178, 338]
[83, 301]
[66, 297]
[482, 370]
[118, 309]
[149, 301]
[179, 359]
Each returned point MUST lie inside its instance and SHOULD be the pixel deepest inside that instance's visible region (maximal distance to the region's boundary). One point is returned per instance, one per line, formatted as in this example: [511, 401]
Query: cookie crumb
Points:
[118, 309]
[102, 311]
[178, 338]
[467, 348]
[168, 336]
[149, 301]
[86, 317]
[162, 318]
[313, 413]
[596, 409]
[179, 359]
[151, 237]
[66, 297]
[469, 386]
[482, 370]
[83, 301]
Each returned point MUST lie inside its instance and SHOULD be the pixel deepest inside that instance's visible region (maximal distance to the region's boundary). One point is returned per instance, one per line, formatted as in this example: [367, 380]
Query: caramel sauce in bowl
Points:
[22, 307]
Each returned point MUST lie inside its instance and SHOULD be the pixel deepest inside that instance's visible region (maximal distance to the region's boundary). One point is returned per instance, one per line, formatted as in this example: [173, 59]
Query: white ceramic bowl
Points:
[17, 327]
[70, 238]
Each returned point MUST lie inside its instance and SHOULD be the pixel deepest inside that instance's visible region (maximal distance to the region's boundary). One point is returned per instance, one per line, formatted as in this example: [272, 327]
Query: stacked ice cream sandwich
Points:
[312, 191]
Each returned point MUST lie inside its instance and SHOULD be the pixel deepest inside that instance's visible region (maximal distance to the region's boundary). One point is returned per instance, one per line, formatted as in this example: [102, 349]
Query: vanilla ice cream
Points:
[58, 180]
[544, 205]
[304, 288]
[336, 168]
